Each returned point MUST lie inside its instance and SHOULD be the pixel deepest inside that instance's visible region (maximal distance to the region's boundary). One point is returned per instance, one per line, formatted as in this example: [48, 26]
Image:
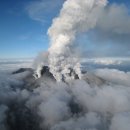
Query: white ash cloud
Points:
[40, 60]
[107, 22]
[75, 17]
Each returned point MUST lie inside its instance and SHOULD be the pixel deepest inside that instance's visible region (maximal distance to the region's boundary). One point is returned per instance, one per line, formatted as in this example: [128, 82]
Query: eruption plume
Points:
[75, 17]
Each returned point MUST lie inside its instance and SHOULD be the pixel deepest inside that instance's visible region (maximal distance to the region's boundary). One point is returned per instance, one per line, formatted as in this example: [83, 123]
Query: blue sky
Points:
[24, 23]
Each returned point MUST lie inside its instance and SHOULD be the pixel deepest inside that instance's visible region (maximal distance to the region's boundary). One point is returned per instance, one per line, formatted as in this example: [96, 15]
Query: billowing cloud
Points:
[121, 121]
[111, 31]
[99, 101]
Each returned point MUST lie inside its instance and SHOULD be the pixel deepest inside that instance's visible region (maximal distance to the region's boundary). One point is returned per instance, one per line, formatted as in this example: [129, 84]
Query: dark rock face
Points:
[46, 72]
[72, 72]
[21, 70]
[32, 81]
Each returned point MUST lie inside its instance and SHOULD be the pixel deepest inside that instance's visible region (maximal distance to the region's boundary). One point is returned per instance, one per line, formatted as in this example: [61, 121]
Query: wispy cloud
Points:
[43, 9]
[24, 37]
[109, 61]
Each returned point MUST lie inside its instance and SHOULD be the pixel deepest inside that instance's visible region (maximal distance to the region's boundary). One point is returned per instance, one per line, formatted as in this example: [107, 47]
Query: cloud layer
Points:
[75, 105]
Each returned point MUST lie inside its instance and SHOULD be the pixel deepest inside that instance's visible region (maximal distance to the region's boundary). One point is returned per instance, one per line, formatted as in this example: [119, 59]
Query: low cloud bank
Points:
[115, 76]
[77, 104]
[8, 65]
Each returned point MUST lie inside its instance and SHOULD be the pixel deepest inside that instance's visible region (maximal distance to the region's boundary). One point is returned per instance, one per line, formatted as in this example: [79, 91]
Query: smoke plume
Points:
[75, 17]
